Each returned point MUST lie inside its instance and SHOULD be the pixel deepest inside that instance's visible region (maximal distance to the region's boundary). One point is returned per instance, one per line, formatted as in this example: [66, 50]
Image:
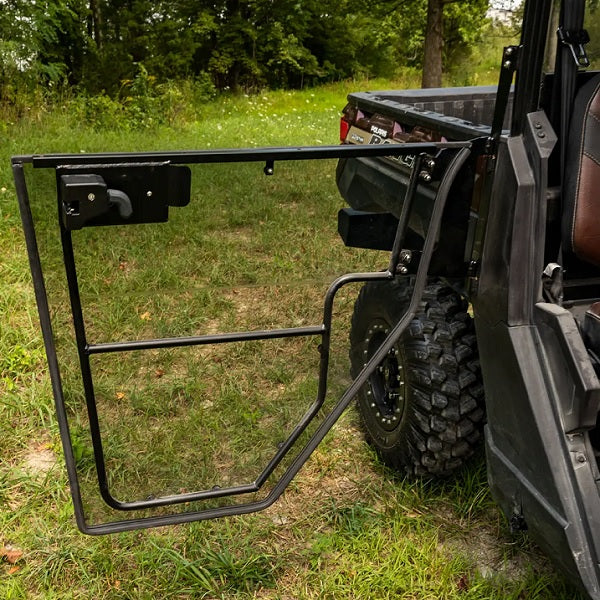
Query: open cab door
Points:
[178, 389]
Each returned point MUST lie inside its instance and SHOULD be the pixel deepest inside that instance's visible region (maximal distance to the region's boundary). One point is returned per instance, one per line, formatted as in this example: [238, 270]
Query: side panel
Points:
[541, 391]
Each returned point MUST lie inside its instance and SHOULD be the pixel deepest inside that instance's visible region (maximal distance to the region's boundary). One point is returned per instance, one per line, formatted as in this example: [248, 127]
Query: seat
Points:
[581, 189]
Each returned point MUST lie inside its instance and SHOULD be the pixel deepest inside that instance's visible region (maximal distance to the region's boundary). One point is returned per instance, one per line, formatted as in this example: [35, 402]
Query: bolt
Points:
[402, 270]
[580, 457]
[537, 125]
[507, 64]
[377, 414]
[91, 197]
[372, 404]
[405, 256]
[425, 176]
[509, 51]
[541, 134]
[149, 193]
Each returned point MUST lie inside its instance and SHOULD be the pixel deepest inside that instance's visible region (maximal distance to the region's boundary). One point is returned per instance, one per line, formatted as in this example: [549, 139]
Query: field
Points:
[249, 252]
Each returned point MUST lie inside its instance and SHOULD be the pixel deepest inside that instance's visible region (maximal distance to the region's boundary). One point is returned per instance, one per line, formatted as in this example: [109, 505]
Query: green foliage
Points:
[94, 46]
[143, 103]
[17, 362]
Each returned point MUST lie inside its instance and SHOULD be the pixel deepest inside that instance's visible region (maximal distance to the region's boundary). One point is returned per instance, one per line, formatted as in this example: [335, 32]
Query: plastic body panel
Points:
[542, 395]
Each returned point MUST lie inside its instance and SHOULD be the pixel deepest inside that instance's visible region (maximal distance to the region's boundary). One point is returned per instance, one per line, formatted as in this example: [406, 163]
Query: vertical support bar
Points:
[84, 362]
[405, 214]
[533, 43]
[41, 297]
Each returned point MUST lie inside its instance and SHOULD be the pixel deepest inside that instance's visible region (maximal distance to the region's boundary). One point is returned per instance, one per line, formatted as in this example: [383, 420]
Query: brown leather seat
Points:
[581, 189]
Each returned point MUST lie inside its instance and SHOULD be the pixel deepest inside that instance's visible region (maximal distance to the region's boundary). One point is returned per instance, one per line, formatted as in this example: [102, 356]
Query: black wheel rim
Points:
[385, 389]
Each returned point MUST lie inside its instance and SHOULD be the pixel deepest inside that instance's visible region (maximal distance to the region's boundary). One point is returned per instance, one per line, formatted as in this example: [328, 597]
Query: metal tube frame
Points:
[460, 150]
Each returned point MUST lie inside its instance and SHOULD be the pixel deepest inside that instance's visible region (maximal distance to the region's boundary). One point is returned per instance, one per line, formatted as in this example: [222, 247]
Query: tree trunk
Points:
[432, 60]
[96, 23]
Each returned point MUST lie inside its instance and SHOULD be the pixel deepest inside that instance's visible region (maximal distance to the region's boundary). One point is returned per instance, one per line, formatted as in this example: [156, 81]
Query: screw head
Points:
[405, 256]
[91, 197]
[149, 193]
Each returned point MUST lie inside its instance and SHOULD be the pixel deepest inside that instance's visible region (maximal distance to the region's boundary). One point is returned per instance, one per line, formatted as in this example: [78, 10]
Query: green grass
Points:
[248, 252]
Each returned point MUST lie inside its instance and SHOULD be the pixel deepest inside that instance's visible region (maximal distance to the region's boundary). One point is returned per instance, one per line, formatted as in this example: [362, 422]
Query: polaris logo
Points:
[379, 131]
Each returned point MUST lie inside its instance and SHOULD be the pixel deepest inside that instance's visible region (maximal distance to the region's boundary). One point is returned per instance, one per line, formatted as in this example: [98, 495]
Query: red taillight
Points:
[344, 129]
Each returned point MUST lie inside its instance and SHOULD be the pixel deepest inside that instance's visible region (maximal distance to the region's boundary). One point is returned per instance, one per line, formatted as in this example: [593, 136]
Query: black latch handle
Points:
[122, 202]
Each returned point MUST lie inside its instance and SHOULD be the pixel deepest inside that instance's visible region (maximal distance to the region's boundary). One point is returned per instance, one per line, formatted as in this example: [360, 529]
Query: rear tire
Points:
[423, 408]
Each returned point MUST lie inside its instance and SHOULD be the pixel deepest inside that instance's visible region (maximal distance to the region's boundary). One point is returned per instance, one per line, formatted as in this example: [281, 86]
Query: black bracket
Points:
[269, 167]
[576, 41]
[510, 60]
[119, 194]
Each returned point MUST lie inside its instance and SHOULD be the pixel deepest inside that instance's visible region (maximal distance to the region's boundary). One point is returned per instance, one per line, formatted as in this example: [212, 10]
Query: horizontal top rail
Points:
[48, 161]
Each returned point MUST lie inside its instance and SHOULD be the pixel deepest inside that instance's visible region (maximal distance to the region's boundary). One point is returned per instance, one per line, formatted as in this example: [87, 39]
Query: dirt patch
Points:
[40, 459]
[495, 554]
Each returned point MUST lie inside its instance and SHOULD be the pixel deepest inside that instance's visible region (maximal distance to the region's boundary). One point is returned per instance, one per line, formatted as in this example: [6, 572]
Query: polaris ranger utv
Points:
[501, 215]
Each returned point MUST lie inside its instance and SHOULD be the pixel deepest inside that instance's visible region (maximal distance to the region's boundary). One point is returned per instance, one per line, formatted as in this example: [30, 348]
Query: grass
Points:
[248, 252]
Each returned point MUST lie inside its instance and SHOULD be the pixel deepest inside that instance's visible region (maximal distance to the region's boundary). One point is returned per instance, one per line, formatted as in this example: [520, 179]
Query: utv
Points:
[497, 215]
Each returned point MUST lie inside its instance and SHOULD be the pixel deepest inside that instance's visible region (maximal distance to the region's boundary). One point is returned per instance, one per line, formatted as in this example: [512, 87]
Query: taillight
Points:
[344, 129]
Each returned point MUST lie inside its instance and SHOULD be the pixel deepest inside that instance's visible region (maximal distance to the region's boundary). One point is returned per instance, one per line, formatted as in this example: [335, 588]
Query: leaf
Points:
[120, 395]
[145, 316]
[463, 583]
[13, 570]
[10, 554]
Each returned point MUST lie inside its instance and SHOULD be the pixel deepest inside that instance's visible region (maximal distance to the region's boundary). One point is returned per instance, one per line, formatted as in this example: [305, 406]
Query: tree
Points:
[434, 42]
[468, 16]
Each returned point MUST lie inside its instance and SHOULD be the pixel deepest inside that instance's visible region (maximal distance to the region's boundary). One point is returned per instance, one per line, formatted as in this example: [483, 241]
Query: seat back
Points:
[581, 188]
